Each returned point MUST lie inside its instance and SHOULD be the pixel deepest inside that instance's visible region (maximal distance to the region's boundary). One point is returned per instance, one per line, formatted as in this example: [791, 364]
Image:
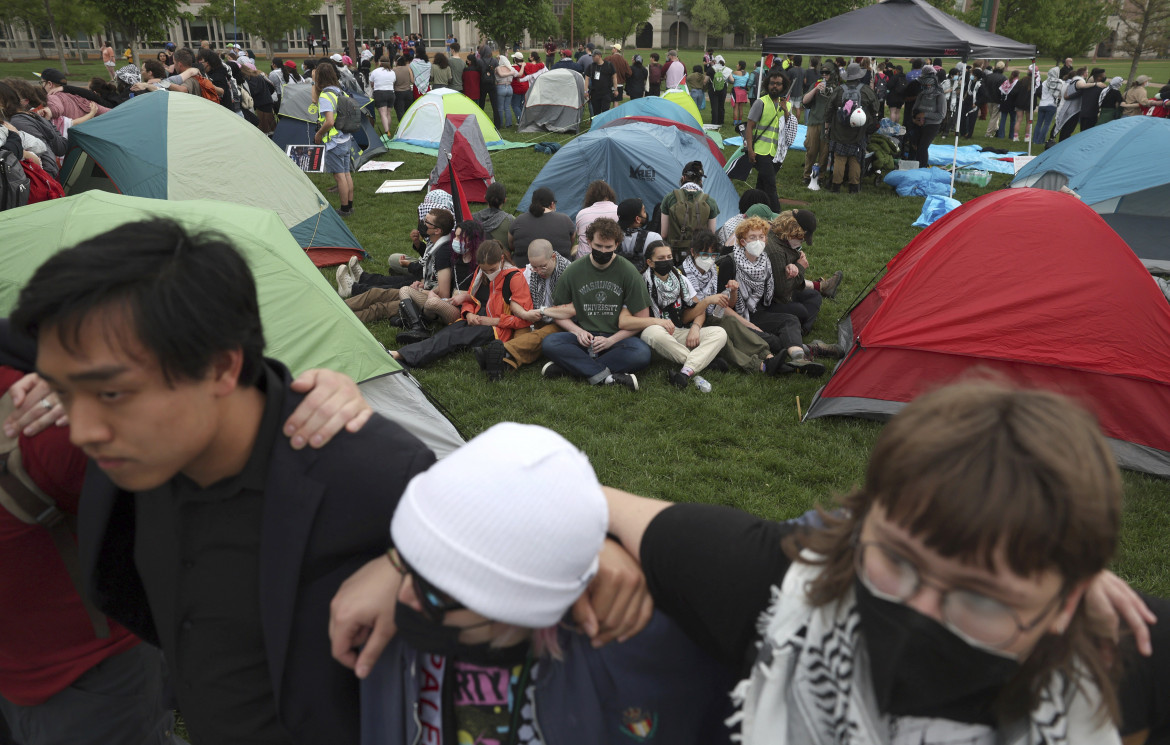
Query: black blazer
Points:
[326, 512]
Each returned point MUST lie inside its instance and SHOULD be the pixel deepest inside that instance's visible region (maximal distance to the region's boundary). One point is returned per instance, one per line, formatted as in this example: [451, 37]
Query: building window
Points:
[436, 27]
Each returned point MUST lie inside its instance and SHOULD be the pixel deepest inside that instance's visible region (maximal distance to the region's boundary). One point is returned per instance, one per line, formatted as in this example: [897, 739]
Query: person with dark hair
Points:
[218, 74]
[341, 151]
[495, 221]
[205, 532]
[16, 108]
[930, 108]
[403, 84]
[1092, 92]
[603, 84]
[488, 311]
[816, 139]
[687, 209]
[600, 201]
[763, 133]
[488, 91]
[604, 290]
[441, 72]
[654, 75]
[636, 82]
[542, 221]
[852, 116]
[458, 67]
[635, 223]
[63, 101]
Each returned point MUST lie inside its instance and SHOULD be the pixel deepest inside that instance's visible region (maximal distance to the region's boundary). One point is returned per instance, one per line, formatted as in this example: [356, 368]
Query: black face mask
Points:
[664, 267]
[602, 257]
[920, 668]
[434, 638]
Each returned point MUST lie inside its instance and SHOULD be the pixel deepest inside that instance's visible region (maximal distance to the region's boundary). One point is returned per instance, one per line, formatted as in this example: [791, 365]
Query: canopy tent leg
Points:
[1032, 100]
[958, 125]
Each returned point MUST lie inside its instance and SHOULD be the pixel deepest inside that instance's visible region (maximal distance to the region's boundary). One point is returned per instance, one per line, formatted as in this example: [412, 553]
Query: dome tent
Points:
[952, 301]
[422, 124]
[296, 124]
[641, 160]
[197, 142]
[658, 108]
[554, 102]
[306, 324]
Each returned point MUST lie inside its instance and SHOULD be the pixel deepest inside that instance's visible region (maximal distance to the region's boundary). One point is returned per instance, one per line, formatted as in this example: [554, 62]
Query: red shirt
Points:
[46, 637]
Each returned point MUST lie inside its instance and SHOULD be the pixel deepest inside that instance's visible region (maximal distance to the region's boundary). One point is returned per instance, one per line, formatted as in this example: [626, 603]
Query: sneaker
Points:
[774, 365]
[804, 181]
[344, 281]
[829, 286]
[480, 357]
[625, 379]
[679, 379]
[719, 365]
[345, 212]
[493, 359]
[553, 370]
[807, 367]
[819, 348]
[854, 188]
[355, 268]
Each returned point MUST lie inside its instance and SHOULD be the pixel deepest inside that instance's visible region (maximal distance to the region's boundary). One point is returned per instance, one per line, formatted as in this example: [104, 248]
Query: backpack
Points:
[881, 87]
[238, 93]
[849, 93]
[686, 216]
[207, 89]
[41, 186]
[21, 497]
[346, 117]
[14, 181]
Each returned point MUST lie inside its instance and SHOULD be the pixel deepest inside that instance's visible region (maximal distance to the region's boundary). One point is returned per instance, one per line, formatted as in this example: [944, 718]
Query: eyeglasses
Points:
[979, 620]
[708, 255]
[435, 603]
[429, 224]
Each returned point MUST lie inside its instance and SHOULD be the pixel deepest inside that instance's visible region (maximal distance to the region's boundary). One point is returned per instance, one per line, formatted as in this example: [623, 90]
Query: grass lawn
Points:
[742, 444]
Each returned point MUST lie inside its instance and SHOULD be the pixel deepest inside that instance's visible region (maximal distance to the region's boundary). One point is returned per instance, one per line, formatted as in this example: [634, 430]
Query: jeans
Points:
[504, 103]
[517, 106]
[1005, 117]
[1044, 118]
[699, 97]
[626, 356]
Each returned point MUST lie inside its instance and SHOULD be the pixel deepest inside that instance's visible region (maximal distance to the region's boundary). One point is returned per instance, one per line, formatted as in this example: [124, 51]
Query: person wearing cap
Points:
[762, 133]
[794, 294]
[567, 62]
[816, 138]
[621, 70]
[847, 139]
[674, 71]
[636, 81]
[62, 103]
[602, 84]
[488, 559]
[1136, 97]
[687, 209]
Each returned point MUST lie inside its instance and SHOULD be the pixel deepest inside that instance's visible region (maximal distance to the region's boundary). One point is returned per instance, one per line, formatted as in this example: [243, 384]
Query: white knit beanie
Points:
[509, 525]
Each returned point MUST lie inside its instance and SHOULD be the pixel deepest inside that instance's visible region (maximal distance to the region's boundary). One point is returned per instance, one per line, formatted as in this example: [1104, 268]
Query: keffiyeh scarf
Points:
[540, 288]
[756, 285]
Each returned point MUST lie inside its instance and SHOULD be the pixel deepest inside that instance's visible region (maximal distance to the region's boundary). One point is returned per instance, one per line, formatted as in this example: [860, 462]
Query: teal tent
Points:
[306, 324]
[177, 147]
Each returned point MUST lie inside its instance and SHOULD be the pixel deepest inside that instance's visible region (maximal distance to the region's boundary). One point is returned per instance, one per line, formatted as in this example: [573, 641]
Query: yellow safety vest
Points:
[766, 133]
[332, 98]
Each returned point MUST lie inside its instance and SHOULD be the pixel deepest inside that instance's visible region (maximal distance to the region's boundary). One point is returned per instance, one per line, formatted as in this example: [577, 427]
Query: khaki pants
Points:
[524, 346]
[816, 148]
[378, 304]
[842, 164]
[992, 119]
[745, 348]
[433, 307]
[674, 347]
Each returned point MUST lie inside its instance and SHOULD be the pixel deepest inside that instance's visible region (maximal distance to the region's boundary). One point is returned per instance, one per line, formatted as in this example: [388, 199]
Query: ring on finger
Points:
[45, 404]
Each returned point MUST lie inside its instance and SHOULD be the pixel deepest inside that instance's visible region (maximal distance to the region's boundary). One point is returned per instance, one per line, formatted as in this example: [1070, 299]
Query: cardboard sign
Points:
[309, 158]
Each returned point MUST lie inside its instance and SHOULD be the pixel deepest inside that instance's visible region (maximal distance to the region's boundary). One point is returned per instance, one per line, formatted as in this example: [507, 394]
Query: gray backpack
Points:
[14, 182]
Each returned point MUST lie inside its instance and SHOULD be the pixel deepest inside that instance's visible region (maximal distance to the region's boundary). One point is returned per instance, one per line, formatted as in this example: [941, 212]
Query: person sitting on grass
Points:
[632, 218]
[602, 288]
[753, 292]
[486, 310]
[495, 221]
[745, 348]
[794, 294]
[524, 347]
[675, 327]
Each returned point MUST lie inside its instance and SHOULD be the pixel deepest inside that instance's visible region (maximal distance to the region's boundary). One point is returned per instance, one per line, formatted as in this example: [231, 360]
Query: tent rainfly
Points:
[306, 324]
[554, 102]
[296, 124]
[463, 146]
[422, 124]
[951, 302]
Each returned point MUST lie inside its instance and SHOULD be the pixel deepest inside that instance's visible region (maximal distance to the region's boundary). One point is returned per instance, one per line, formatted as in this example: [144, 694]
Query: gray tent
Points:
[897, 28]
[297, 121]
[554, 102]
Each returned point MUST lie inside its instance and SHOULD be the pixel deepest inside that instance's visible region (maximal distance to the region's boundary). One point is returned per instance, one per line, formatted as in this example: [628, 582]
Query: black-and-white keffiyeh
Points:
[704, 284]
[756, 284]
[435, 199]
[541, 288]
[727, 232]
[810, 685]
[430, 277]
[666, 294]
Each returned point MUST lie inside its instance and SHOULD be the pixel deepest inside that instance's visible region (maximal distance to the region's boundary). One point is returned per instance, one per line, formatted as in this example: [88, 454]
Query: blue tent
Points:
[653, 106]
[1116, 169]
[638, 160]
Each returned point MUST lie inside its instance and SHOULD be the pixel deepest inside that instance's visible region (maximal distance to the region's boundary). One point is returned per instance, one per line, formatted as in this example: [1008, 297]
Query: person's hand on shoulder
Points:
[36, 407]
[333, 403]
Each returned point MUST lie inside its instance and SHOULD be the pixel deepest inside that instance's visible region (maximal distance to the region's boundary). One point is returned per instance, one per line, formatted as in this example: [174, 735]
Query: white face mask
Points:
[492, 275]
[704, 265]
[457, 246]
[754, 248]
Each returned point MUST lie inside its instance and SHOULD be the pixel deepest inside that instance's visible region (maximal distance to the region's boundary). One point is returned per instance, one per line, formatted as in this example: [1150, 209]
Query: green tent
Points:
[421, 127]
[306, 324]
[682, 97]
[175, 146]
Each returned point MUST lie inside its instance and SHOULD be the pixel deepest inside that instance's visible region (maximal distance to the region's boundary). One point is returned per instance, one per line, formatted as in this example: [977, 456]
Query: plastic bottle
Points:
[717, 311]
[702, 384]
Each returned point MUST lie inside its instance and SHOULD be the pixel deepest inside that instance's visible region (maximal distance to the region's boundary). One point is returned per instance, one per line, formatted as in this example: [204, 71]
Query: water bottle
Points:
[717, 311]
[702, 384]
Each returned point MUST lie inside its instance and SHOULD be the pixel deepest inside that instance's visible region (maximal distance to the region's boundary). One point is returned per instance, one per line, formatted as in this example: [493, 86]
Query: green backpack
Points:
[686, 216]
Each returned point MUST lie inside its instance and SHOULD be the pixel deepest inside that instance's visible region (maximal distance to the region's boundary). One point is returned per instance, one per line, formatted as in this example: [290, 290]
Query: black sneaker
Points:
[835, 189]
[819, 348]
[679, 379]
[480, 357]
[345, 212]
[625, 379]
[854, 188]
[493, 354]
[807, 367]
[719, 365]
[553, 370]
[774, 365]
[829, 286]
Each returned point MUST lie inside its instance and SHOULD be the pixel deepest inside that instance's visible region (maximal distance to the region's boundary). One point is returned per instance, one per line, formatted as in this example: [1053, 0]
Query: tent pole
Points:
[760, 77]
[958, 126]
[1035, 75]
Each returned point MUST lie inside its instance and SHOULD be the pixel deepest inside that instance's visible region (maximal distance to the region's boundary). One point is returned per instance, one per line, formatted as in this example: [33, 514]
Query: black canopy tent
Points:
[898, 28]
[901, 28]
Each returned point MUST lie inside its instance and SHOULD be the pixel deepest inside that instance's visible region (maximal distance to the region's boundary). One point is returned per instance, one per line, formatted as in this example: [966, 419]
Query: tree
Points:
[771, 18]
[1058, 28]
[61, 17]
[711, 16]
[378, 14]
[140, 19]
[271, 20]
[502, 22]
[739, 13]
[1145, 29]
[614, 20]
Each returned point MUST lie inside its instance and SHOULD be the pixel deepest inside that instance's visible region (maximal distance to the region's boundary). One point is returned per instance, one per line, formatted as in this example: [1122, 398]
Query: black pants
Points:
[599, 103]
[655, 89]
[402, 101]
[450, 339]
[1067, 129]
[926, 135]
[805, 306]
[766, 180]
[784, 328]
[371, 281]
[494, 96]
[967, 128]
[718, 104]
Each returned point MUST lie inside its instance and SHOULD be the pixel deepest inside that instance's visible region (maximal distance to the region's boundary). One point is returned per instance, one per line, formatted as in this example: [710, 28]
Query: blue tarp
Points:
[920, 182]
[934, 207]
[641, 160]
[1108, 161]
[972, 156]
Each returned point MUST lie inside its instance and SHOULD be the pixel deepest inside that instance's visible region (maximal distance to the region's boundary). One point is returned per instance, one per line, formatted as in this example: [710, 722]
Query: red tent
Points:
[462, 145]
[1031, 284]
